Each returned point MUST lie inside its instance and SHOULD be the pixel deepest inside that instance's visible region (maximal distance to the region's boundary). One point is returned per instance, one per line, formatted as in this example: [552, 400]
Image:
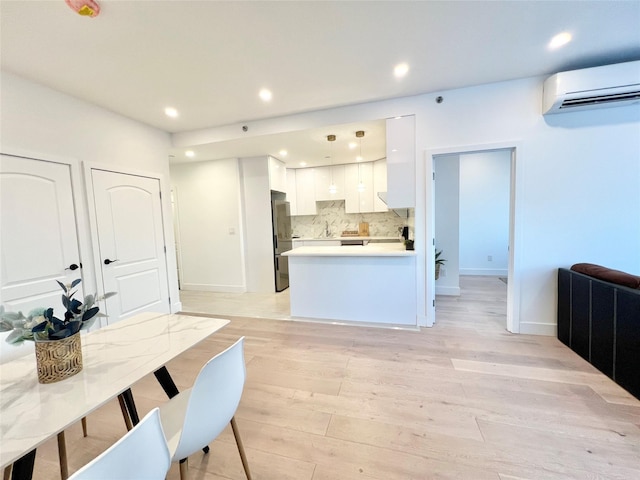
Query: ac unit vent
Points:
[585, 101]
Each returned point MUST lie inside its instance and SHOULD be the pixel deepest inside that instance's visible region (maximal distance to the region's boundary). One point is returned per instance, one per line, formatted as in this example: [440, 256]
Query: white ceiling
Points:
[209, 59]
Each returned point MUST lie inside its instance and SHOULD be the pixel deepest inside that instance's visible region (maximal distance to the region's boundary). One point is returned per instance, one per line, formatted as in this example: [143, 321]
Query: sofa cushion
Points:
[607, 274]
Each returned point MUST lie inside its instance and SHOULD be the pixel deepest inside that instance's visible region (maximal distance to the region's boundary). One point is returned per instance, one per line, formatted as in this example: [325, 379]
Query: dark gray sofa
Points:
[600, 320]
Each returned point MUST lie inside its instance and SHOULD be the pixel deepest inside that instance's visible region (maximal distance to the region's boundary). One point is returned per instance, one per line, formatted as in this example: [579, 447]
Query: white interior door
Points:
[38, 235]
[131, 243]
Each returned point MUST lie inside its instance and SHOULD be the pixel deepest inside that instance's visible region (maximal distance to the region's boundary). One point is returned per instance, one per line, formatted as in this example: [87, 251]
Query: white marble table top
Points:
[114, 358]
[395, 249]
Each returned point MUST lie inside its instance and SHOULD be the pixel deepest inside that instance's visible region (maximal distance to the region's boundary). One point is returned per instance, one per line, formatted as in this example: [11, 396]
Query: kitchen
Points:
[223, 217]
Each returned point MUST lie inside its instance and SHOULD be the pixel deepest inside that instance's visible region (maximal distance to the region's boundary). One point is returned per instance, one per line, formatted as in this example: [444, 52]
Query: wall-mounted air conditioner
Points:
[598, 87]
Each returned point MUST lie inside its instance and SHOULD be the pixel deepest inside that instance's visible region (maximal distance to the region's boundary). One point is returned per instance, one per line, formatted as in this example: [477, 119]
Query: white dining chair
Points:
[196, 416]
[142, 454]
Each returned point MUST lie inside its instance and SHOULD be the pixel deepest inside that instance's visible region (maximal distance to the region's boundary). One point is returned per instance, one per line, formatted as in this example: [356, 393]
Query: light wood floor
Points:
[462, 400]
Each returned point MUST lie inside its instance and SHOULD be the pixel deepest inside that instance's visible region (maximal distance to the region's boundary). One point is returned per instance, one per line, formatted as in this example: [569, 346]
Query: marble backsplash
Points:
[381, 224]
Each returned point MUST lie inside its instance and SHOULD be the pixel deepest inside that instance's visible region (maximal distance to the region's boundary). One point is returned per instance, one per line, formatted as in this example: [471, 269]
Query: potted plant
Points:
[439, 261]
[57, 340]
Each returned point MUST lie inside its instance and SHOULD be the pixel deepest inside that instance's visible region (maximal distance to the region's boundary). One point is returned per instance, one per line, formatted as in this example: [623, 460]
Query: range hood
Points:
[401, 212]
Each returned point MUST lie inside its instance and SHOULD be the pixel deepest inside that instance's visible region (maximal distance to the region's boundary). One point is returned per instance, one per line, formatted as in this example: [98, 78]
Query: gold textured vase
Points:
[58, 359]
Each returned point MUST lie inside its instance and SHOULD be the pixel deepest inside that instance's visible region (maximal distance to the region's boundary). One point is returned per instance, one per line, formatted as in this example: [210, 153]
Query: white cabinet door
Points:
[291, 191]
[323, 177]
[38, 234]
[305, 192]
[359, 188]
[277, 175]
[401, 159]
[379, 185]
[131, 242]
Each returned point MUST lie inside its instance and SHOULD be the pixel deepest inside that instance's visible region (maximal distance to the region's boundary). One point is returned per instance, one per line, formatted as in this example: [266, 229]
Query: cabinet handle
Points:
[107, 261]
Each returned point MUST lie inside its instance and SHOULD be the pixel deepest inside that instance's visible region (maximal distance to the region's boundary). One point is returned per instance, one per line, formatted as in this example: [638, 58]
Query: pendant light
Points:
[359, 135]
[332, 186]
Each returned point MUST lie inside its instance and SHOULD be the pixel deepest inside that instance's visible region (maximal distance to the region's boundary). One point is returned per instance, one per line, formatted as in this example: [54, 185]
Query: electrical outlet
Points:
[232, 231]
[490, 258]
[443, 271]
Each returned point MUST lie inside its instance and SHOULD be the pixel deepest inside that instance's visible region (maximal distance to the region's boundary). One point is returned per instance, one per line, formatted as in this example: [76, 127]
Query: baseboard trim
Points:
[213, 288]
[546, 329]
[448, 291]
[176, 307]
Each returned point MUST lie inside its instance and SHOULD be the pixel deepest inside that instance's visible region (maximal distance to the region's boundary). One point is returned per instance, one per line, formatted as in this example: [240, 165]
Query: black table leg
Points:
[23, 467]
[169, 387]
[131, 406]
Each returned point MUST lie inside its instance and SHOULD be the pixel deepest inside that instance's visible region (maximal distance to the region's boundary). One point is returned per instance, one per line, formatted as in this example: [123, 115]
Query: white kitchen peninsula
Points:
[373, 283]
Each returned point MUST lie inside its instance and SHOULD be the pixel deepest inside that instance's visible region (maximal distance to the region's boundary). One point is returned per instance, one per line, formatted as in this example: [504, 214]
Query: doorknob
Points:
[107, 261]
[73, 266]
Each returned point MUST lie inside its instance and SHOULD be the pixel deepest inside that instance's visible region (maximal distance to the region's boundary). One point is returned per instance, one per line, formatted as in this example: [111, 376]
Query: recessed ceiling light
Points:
[171, 112]
[358, 158]
[401, 70]
[352, 145]
[190, 153]
[265, 95]
[303, 164]
[559, 40]
[283, 153]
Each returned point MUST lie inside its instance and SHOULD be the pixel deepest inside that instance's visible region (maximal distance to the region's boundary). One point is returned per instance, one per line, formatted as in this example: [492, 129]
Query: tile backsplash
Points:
[381, 224]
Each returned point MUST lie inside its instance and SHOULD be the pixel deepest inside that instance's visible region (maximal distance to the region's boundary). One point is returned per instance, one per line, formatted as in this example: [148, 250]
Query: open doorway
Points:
[472, 192]
[486, 246]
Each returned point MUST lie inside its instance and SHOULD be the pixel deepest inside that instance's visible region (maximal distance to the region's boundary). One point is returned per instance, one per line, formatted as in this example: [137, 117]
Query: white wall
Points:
[260, 269]
[38, 122]
[578, 189]
[484, 212]
[447, 224]
[207, 199]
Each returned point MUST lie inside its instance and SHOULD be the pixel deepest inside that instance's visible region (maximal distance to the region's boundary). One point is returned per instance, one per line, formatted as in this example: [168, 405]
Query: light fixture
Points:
[332, 186]
[265, 95]
[190, 153]
[352, 145]
[171, 112]
[560, 40]
[359, 135]
[401, 70]
[303, 164]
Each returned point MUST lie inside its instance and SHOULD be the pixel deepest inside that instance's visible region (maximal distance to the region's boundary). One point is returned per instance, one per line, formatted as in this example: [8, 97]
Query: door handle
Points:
[107, 261]
[73, 266]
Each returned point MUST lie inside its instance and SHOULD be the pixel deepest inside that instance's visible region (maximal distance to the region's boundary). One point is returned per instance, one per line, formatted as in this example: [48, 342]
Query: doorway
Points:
[509, 150]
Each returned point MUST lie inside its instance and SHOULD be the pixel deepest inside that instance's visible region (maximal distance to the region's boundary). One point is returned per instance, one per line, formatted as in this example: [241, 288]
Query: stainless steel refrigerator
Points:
[282, 242]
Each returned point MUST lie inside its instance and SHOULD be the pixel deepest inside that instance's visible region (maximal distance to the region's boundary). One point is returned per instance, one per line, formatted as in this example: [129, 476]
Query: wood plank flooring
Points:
[462, 400]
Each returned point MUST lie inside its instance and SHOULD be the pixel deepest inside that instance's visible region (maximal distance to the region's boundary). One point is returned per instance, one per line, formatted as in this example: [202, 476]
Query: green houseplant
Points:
[439, 262]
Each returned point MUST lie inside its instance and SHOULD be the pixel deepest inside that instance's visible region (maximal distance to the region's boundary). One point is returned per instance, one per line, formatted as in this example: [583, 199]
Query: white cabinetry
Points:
[379, 185]
[305, 192]
[277, 175]
[401, 159]
[323, 176]
[359, 188]
[291, 191]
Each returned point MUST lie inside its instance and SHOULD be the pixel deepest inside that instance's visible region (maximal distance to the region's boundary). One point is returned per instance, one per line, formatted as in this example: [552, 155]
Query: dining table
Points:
[114, 358]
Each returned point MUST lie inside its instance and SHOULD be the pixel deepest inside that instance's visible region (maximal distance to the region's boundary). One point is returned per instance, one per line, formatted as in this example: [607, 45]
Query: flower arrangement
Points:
[41, 324]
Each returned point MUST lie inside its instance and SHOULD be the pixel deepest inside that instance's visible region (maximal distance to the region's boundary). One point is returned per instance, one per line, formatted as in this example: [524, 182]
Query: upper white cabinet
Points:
[292, 195]
[277, 175]
[359, 188]
[401, 157]
[379, 185]
[305, 192]
[323, 177]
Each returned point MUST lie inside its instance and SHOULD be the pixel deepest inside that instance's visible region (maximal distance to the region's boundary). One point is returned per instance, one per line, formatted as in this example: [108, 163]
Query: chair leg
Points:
[7, 472]
[184, 469]
[125, 413]
[84, 426]
[243, 456]
[62, 454]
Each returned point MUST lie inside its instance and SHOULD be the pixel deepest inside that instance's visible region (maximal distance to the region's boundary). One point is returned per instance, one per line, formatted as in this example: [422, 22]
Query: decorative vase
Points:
[437, 271]
[58, 359]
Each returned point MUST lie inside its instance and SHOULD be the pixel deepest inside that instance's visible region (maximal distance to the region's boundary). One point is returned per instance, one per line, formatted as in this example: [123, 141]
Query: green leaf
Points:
[75, 282]
[16, 337]
[13, 316]
[40, 327]
[89, 301]
[5, 326]
[90, 313]
[62, 286]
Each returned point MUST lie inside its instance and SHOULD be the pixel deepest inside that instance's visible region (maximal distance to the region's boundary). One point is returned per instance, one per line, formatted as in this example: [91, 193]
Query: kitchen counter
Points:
[396, 249]
[374, 283]
[320, 239]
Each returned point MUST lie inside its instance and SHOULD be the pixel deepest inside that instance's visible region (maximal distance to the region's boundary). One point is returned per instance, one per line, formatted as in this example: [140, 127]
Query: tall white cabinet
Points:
[401, 158]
